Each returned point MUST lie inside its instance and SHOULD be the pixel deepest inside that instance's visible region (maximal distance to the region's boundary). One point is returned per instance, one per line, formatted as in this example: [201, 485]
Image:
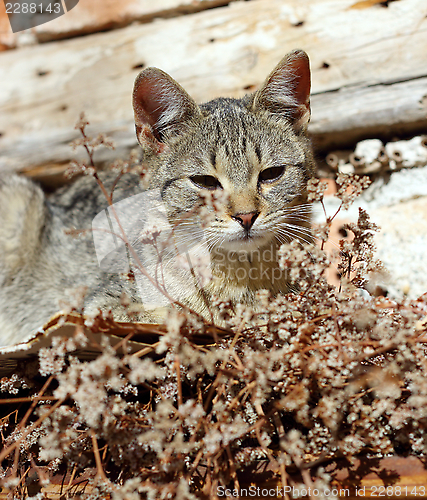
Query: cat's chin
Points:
[248, 245]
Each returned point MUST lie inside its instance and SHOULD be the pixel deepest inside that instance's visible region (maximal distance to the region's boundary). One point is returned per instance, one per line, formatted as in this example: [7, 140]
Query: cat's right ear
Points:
[286, 92]
[162, 108]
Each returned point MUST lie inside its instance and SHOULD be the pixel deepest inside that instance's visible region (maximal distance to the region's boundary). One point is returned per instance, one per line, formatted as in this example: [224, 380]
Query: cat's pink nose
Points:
[246, 220]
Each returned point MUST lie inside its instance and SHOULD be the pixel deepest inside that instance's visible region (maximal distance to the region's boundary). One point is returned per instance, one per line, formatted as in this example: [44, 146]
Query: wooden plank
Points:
[343, 117]
[90, 16]
[363, 60]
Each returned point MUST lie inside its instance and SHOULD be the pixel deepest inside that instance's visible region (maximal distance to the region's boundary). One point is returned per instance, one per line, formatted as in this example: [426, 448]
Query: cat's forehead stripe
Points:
[213, 158]
[258, 152]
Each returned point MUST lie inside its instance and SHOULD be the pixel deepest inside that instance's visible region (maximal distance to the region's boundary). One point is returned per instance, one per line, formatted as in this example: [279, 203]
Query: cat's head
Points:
[255, 149]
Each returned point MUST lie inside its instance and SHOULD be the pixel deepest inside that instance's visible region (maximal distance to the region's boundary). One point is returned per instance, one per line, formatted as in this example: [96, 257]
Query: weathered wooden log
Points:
[385, 110]
[91, 16]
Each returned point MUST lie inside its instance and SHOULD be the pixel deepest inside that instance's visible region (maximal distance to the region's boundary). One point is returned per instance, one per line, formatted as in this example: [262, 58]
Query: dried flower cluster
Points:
[316, 376]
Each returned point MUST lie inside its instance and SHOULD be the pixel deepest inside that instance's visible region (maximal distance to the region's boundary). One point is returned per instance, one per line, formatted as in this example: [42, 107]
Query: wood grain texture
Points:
[385, 110]
[369, 72]
[91, 16]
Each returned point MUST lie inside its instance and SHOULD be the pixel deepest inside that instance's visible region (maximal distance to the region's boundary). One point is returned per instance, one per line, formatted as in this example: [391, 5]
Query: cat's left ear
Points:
[286, 92]
[162, 108]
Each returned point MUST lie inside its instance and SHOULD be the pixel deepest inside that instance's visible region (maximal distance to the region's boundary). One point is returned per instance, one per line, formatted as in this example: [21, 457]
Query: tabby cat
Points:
[252, 153]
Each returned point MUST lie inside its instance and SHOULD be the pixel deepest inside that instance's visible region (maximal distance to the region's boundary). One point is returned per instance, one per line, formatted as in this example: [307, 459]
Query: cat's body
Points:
[254, 150]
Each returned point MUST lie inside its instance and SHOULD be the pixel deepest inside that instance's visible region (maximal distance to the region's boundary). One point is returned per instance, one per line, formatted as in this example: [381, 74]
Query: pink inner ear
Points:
[161, 105]
[301, 68]
[286, 92]
[147, 105]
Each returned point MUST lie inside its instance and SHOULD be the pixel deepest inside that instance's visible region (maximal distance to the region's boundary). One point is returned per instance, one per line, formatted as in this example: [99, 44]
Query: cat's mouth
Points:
[245, 242]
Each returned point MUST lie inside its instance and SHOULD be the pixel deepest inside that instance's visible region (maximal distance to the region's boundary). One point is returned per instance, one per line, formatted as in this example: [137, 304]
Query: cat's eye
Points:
[271, 174]
[206, 181]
